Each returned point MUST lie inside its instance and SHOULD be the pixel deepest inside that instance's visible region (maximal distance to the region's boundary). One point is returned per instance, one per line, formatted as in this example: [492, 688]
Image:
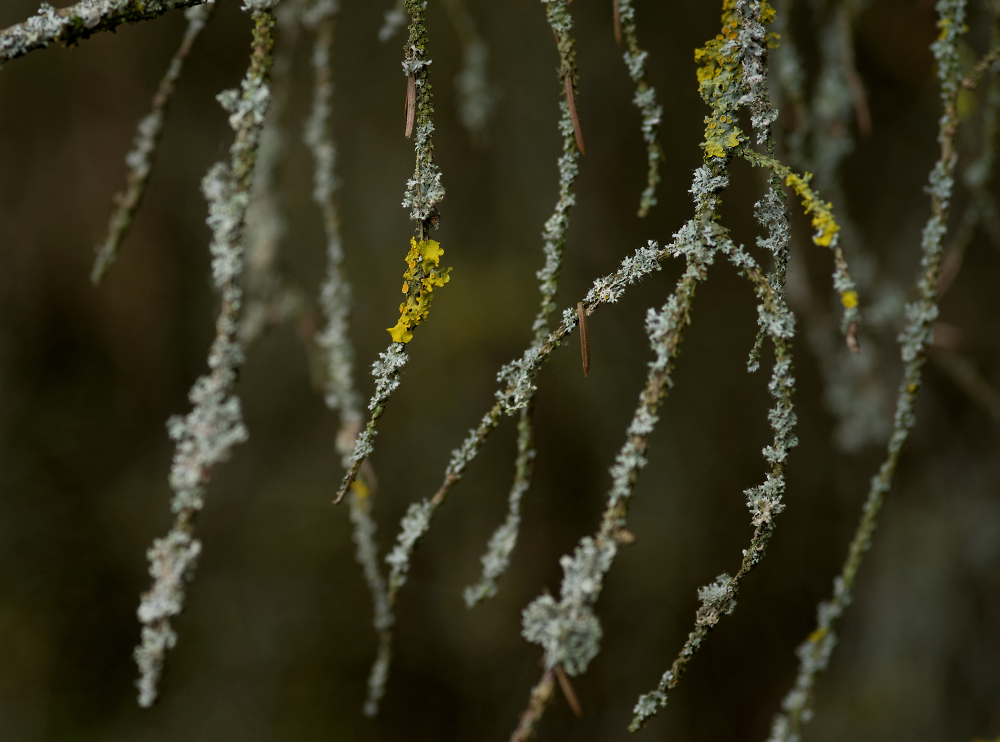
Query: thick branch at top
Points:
[77, 22]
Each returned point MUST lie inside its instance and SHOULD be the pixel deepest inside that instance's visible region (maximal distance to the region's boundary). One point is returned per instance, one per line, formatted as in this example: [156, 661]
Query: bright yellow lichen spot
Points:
[822, 212]
[360, 489]
[849, 299]
[818, 635]
[421, 278]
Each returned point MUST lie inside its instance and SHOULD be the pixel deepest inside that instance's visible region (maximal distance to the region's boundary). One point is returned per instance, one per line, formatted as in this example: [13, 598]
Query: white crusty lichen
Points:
[422, 195]
[411, 529]
[171, 562]
[206, 435]
[476, 96]
[568, 630]
[554, 233]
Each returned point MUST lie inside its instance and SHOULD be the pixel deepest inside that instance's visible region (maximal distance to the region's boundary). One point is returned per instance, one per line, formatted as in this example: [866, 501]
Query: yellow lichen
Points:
[360, 489]
[818, 635]
[822, 212]
[718, 77]
[421, 278]
[849, 299]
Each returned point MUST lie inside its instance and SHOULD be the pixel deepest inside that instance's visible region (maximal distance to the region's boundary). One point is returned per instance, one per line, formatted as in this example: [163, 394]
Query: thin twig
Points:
[140, 159]
[644, 99]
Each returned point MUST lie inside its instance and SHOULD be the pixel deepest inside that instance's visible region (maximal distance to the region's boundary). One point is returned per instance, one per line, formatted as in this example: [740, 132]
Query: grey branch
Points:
[68, 26]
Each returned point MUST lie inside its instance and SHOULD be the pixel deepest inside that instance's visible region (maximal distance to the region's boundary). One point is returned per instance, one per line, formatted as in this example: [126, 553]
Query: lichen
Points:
[422, 276]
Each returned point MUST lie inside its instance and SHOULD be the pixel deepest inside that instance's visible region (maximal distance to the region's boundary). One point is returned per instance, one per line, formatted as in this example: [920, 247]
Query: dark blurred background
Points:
[276, 641]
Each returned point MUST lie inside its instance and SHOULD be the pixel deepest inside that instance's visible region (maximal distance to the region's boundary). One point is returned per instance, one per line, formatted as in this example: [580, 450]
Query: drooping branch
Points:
[207, 434]
[424, 273]
[814, 653]
[645, 100]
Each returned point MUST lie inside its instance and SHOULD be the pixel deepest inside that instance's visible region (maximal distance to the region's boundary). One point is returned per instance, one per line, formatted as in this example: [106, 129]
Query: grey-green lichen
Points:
[207, 434]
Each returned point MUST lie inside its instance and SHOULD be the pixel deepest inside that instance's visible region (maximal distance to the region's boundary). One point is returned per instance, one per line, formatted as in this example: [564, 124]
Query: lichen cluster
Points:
[422, 276]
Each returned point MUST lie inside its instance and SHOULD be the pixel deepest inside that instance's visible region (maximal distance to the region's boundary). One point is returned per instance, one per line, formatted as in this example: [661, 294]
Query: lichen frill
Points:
[422, 276]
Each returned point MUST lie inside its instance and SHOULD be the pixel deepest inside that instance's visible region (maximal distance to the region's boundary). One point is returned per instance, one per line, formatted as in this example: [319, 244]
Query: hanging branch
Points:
[517, 378]
[140, 159]
[822, 139]
[814, 653]
[272, 298]
[645, 100]
[208, 433]
[423, 193]
[334, 340]
[980, 211]
[497, 558]
[69, 26]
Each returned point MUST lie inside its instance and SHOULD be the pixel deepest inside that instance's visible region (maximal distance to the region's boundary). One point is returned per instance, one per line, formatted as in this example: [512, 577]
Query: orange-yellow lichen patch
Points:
[422, 276]
[821, 211]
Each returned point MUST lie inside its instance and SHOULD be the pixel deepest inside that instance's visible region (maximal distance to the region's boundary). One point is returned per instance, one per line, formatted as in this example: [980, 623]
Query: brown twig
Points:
[541, 696]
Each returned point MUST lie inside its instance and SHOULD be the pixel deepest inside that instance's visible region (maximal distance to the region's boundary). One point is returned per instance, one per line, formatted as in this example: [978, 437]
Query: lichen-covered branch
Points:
[140, 158]
[424, 272]
[504, 539]
[68, 26]
[207, 434]
[567, 629]
[335, 292]
[334, 340]
[777, 322]
[814, 653]
[645, 100]
[271, 298]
